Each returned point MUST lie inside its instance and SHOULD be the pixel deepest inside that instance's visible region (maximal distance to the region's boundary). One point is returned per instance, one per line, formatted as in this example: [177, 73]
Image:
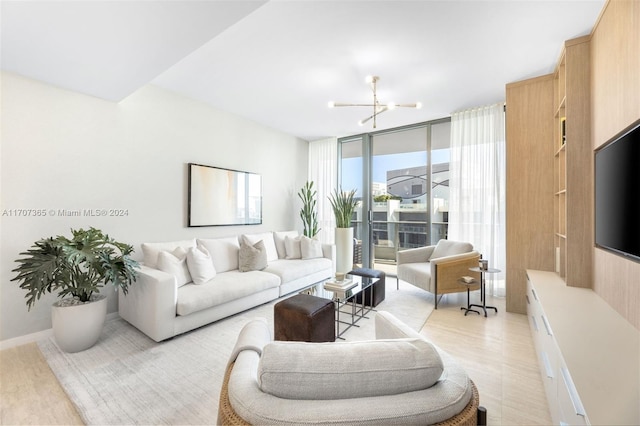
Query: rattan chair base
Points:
[228, 416]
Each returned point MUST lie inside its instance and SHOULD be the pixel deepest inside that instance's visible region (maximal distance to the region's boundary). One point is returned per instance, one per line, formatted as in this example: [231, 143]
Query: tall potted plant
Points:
[343, 204]
[308, 213]
[76, 268]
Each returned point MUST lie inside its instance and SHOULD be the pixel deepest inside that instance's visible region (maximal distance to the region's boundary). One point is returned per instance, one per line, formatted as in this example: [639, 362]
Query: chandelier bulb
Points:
[418, 105]
[331, 104]
[391, 105]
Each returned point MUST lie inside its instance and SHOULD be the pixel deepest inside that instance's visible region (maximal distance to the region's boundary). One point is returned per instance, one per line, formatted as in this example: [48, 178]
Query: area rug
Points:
[127, 378]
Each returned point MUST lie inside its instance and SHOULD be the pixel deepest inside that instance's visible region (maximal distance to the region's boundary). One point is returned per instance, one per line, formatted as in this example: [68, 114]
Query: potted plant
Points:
[343, 204]
[308, 213]
[76, 269]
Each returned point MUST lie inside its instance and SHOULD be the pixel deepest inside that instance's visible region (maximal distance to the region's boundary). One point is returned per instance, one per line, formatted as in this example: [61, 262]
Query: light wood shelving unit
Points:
[573, 166]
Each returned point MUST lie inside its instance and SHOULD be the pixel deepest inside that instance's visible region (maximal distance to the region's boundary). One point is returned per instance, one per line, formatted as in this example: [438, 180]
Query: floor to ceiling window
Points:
[401, 177]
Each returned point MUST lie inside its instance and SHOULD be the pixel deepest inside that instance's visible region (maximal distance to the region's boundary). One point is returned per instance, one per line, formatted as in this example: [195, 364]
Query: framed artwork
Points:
[219, 197]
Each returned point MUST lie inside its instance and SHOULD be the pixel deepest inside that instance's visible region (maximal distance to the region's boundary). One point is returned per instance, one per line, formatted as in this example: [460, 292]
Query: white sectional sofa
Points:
[179, 288]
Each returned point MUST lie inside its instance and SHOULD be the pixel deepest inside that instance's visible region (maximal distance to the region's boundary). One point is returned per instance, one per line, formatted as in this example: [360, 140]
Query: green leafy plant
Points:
[343, 204]
[79, 266]
[308, 213]
[385, 197]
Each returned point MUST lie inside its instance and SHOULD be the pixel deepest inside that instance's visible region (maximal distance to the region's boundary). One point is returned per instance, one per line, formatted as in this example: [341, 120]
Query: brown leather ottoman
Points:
[304, 318]
[378, 287]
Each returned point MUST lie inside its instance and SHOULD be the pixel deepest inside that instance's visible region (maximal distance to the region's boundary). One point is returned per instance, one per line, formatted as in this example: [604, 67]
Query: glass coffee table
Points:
[344, 296]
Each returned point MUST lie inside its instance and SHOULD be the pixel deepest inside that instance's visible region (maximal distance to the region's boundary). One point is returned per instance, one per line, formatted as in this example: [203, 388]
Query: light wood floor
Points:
[497, 352]
[499, 356]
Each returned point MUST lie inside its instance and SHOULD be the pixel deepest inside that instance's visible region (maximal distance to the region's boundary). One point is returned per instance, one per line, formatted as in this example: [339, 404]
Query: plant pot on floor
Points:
[344, 249]
[77, 327]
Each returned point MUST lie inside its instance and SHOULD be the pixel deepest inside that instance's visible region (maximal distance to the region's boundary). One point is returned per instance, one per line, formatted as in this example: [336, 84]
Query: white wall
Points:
[64, 150]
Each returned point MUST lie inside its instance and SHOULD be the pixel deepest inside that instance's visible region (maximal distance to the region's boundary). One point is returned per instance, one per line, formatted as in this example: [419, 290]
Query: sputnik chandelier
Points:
[378, 108]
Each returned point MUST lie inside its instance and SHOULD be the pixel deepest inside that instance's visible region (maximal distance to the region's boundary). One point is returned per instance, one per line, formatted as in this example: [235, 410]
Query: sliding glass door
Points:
[401, 180]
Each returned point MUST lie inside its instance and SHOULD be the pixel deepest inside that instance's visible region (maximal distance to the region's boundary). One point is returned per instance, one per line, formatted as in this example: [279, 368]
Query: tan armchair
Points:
[439, 268]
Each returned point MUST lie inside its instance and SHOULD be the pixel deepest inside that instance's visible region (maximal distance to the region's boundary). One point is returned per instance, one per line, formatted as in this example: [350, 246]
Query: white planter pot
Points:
[344, 249]
[78, 327]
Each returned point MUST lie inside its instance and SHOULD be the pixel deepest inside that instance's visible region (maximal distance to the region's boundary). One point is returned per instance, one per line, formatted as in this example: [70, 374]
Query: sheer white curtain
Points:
[323, 171]
[477, 186]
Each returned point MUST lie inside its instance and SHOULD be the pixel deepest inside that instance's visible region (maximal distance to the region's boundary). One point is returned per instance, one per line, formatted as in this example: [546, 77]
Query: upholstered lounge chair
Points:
[398, 379]
[439, 268]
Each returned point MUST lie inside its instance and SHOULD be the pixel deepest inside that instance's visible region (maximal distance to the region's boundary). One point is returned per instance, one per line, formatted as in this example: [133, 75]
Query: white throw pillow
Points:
[310, 248]
[200, 265]
[151, 250]
[292, 247]
[279, 237]
[269, 244]
[300, 370]
[175, 263]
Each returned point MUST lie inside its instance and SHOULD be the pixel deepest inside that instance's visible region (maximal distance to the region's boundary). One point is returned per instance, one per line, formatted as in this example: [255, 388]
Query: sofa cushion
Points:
[310, 248]
[292, 269]
[299, 370]
[252, 257]
[269, 243]
[278, 238]
[449, 248]
[292, 247]
[200, 265]
[225, 287]
[150, 251]
[175, 263]
[223, 251]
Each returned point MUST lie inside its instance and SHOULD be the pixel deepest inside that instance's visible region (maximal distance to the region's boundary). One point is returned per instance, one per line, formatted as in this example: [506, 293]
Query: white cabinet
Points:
[589, 356]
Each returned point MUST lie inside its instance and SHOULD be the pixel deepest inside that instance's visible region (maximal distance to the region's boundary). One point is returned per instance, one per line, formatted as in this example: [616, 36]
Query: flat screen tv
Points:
[617, 194]
[220, 196]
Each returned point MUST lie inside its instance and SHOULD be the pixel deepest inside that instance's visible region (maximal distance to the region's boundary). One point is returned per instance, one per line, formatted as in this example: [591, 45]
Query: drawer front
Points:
[571, 408]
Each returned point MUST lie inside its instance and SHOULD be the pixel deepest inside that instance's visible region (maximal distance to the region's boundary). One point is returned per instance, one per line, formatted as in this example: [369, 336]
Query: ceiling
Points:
[279, 62]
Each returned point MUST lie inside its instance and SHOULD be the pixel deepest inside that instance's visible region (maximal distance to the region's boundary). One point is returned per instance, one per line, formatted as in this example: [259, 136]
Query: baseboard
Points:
[38, 335]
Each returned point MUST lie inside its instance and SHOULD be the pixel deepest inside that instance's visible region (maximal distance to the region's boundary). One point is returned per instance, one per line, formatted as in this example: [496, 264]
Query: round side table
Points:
[484, 306]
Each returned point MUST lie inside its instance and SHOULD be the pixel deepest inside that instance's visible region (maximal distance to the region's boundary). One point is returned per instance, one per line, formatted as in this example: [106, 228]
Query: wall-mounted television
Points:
[219, 196]
[617, 189]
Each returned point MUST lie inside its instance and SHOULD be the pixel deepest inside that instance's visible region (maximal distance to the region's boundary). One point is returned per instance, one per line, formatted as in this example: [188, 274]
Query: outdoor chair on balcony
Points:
[438, 269]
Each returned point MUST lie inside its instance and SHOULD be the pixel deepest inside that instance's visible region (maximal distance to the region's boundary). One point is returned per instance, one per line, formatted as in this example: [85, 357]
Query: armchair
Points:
[438, 268]
[399, 378]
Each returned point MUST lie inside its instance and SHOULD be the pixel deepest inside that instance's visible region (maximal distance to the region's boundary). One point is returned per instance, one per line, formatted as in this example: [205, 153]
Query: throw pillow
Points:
[292, 247]
[175, 263]
[310, 248]
[298, 370]
[279, 237]
[200, 265]
[151, 250]
[252, 257]
[269, 243]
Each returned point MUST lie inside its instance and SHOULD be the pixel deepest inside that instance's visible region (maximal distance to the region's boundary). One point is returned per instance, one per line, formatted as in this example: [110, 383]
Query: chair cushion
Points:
[320, 371]
[449, 248]
[224, 252]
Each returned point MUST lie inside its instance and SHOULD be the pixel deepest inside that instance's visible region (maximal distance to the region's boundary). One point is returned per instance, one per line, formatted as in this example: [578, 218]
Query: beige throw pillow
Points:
[252, 257]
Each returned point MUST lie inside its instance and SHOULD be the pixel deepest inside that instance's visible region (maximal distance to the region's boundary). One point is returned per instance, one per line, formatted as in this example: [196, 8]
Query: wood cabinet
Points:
[587, 353]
